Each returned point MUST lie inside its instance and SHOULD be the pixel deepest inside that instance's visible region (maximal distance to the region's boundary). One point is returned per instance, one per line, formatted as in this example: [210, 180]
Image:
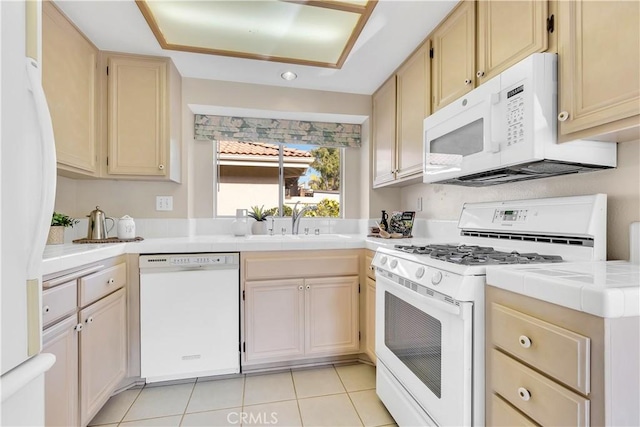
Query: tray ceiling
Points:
[317, 33]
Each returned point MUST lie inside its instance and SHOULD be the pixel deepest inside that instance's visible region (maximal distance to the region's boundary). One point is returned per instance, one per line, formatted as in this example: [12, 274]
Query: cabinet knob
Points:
[46, 309]
[524, 394]
[467, 81]
[480, 74]
[78, 327]
[111, 281]
[308, 287]
[89, 319]
[563, 116]
[525, 341]
[300, 287]
[161, 167]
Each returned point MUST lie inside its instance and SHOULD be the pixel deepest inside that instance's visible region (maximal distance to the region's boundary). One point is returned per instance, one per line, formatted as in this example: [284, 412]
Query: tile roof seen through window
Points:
[258, 149]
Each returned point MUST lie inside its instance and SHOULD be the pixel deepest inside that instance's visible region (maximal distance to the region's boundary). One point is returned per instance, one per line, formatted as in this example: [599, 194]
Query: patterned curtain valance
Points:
[243, 129]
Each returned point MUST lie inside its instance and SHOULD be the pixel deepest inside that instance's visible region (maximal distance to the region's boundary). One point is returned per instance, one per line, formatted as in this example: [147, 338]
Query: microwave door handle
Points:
[494, 146]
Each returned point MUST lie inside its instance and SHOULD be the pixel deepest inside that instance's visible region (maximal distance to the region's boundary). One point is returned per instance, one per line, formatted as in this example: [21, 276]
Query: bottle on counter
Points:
[384, 225]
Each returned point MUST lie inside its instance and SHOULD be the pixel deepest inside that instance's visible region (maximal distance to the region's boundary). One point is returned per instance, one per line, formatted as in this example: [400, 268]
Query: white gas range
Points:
[430, 300]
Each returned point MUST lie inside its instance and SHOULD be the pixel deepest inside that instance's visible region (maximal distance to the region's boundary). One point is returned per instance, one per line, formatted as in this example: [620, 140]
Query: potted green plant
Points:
[260, 215]
[59, 222]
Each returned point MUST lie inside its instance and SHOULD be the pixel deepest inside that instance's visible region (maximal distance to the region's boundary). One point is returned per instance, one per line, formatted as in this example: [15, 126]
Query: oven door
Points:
[426, 343]
[464, 137]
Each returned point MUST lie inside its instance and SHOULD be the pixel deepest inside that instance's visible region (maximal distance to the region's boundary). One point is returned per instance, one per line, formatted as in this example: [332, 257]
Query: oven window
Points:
[415, 338]
[462, 141]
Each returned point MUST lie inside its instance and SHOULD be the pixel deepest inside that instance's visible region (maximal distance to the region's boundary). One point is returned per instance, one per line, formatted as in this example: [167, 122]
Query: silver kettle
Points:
[98, 225]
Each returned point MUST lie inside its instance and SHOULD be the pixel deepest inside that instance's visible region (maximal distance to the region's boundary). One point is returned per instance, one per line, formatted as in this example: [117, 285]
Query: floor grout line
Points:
[188, 401]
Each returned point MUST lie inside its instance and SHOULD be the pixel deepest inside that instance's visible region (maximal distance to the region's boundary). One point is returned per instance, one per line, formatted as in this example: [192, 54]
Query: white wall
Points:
[621, 184]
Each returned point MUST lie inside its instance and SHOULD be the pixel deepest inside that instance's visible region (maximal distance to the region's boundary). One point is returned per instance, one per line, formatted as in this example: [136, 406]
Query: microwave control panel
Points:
[515, 115]
[512, 215]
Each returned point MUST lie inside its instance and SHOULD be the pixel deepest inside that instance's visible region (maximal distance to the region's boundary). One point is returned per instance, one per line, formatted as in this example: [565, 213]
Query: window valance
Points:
[276, 131]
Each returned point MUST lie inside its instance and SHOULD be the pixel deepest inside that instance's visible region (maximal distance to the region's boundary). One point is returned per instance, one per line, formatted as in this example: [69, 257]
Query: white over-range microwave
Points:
[506, 130]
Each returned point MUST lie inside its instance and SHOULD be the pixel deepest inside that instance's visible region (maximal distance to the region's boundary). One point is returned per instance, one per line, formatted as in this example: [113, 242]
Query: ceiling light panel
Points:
[312, 33]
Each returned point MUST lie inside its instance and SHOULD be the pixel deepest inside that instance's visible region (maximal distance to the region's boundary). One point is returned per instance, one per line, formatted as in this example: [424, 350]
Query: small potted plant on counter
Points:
[58, 223]
[260, 215]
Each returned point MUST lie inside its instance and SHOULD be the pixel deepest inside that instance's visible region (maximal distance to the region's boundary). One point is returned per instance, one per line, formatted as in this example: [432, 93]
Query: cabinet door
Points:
[384, 133]
[274, 313]
[138, 114]
[599, 63]
[61, 381]
[69, 64]
[103, 352]
[331, 316]
[370, 307]
[453, 72]
[414, 100]
[508, 32]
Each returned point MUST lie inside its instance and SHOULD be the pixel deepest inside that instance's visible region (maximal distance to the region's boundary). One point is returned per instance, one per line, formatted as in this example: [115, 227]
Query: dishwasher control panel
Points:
[189, 260]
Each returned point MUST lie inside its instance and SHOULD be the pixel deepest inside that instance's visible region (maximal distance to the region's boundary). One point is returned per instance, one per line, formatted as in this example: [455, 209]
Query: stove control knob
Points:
[436, 278]
[419, 272]
[383, 260]
[394, 263]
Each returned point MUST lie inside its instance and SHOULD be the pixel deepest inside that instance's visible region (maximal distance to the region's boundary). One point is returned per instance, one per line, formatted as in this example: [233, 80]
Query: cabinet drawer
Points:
[58, 302]
[545, 401]
[97, 285]
[370, 271]
[284, 267]
[503, 415]
[558, 352]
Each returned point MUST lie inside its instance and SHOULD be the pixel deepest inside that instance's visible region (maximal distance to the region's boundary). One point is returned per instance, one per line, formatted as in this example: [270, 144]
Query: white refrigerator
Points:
[27, 193]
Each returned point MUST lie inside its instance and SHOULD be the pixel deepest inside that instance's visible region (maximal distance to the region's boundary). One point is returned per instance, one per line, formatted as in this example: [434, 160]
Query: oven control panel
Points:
[510, 215]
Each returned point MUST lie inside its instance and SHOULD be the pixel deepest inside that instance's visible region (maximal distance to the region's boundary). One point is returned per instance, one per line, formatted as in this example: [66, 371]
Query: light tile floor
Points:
[342, 395]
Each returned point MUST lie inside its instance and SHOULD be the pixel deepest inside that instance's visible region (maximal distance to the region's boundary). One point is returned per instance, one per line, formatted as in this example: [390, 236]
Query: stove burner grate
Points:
[477, 255]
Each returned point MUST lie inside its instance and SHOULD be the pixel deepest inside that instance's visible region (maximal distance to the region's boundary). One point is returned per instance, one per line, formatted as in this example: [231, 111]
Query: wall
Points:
[621, 184]
[193, 198]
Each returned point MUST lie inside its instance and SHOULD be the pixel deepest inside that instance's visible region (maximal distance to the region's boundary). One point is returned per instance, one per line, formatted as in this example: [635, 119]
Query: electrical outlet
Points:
[164, 203]
[419, 205]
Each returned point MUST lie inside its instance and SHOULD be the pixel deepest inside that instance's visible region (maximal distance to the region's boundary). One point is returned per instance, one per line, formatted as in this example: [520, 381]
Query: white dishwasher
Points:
[189, 315]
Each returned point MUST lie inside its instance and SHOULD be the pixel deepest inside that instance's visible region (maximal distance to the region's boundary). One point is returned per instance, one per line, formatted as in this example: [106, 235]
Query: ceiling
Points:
[394, 29]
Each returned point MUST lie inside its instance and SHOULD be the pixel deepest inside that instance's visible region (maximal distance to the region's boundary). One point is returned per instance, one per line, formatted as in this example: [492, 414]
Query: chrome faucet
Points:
[296, 215]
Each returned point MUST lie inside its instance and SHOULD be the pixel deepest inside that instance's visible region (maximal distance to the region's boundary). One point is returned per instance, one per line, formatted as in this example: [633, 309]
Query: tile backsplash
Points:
[163, 228]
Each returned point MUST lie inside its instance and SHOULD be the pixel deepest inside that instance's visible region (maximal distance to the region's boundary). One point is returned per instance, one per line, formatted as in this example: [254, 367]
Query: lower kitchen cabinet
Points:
[61, 389]
[274, 311]
[300, 305]
[103, 352]
[370, 307]
[297, 318]
[90, 345]
[551, 365]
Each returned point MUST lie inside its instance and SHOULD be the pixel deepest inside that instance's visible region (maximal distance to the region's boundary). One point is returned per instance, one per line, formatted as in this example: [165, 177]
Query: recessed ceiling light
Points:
[289, 75]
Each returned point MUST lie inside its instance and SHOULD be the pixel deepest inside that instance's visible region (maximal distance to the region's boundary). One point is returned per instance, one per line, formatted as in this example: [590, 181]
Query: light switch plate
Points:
[164, 203]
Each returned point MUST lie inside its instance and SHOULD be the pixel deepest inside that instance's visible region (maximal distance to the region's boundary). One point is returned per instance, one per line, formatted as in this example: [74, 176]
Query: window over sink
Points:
[277, 176]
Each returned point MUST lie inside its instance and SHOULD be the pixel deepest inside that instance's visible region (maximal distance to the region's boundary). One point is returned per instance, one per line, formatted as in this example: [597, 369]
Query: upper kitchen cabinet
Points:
[599, 65]
[384, 133]
[143, 117]
[465, 56]
[509, 31]
[399, 109]
[453, 62]
[70, 81]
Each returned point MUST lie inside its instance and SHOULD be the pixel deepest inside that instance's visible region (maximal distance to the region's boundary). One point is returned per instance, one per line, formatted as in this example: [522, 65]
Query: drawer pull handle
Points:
[46, 309]
[525, 341]
[89, 319]
[111, 281]
[524, 394]
[78, 327]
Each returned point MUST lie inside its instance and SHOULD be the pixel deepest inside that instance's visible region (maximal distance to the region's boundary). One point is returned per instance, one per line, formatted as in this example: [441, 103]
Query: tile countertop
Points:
[62, 257]
[606, 289]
